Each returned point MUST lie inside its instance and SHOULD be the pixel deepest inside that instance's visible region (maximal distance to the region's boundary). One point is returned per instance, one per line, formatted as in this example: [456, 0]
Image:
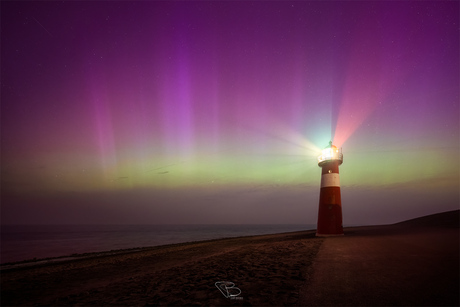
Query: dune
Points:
[414, 262]
[449, 219]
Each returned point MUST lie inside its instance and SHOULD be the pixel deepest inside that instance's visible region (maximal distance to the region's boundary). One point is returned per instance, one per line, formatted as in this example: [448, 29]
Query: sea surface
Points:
[22, 242]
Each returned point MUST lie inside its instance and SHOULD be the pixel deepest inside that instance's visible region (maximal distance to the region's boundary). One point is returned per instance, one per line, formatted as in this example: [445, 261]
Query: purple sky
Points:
[153, 112]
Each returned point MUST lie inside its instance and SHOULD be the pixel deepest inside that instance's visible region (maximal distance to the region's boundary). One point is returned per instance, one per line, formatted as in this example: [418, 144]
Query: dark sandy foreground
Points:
[413, 263]
[267, 269]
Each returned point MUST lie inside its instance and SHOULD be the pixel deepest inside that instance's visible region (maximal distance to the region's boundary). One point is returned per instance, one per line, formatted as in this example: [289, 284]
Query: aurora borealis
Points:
[214, 112]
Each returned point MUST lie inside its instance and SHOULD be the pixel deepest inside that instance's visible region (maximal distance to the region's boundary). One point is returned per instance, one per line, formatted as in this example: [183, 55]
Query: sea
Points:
[27, 242]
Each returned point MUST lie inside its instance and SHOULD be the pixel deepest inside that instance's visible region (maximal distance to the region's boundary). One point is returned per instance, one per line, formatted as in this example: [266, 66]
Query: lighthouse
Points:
[330, 203]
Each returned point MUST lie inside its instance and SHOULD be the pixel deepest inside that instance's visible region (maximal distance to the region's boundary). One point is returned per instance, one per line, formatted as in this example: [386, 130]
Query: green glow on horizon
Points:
[278, 163]
[392, 168]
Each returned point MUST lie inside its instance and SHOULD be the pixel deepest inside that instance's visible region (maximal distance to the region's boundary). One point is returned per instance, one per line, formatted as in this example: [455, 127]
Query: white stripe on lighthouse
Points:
[330, 180]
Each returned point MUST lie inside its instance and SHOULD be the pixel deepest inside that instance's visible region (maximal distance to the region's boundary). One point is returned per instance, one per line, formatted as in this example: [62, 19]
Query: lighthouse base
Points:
[329, 216]
[329, 235]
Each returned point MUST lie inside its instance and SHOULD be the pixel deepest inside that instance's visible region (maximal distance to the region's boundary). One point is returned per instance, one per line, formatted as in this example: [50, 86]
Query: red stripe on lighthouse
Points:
[330, 202]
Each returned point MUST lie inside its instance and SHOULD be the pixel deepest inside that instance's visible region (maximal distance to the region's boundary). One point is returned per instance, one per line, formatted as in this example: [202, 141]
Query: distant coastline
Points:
[32, 243]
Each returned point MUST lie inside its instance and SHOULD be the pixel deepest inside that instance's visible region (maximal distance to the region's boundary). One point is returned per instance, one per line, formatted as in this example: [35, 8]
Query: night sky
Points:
[215, 112]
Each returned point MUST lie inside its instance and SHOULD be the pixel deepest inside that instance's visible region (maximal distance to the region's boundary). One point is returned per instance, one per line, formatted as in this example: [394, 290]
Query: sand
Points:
[414, 263]
[267, 269]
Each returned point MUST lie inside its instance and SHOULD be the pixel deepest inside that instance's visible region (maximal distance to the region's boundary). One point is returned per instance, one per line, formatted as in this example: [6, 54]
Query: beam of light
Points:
[353, 112]
[282, 140]
[361, 95]
[372, 73]
[275, 153]
[308, 148]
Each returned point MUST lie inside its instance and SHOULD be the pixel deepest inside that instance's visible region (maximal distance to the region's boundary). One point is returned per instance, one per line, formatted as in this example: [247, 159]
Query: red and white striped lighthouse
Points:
[330, 203]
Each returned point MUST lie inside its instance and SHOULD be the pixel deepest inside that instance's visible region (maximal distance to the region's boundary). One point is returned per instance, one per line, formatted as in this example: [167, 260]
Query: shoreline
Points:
[77, 256]
[430, 221]
[29, 243]
[81, 256]
[389, 228]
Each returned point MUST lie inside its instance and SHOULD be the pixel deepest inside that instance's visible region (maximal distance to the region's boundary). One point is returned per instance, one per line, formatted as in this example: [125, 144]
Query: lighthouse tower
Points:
[330, 203]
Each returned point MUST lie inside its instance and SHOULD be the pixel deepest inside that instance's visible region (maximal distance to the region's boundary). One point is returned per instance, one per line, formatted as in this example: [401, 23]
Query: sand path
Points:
[387, 265]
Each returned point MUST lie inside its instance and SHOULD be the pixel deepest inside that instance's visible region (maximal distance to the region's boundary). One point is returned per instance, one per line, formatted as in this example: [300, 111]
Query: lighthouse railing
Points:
[331, 156]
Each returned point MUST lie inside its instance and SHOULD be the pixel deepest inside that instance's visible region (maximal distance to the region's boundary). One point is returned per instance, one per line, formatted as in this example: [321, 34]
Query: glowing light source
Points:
[330, 153]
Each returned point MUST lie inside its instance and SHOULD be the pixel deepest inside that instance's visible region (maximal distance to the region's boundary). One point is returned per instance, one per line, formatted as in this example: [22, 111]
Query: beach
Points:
[412, 263]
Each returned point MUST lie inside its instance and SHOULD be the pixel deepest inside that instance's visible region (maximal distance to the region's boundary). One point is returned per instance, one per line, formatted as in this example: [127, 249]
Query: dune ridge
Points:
[447, 219]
